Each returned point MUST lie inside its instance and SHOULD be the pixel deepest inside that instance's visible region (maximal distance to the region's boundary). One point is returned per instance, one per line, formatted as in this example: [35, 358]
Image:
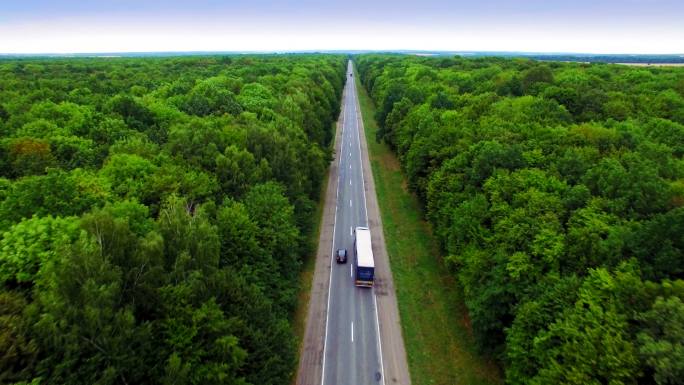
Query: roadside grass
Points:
[435, 323]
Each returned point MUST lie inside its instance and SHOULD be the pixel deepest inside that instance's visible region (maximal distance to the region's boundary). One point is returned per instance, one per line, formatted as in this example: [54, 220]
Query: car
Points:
[341, 256]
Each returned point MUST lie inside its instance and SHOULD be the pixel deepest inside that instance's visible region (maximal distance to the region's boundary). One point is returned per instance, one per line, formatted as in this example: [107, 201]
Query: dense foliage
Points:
[557, 193]
[153, 215]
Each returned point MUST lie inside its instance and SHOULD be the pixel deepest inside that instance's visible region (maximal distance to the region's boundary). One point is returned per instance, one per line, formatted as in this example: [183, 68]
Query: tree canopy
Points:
[154, 215]
[555, 190]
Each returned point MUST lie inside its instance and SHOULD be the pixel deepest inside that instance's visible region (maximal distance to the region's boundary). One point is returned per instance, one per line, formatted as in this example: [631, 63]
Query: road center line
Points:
[352, 332]
[350, 204]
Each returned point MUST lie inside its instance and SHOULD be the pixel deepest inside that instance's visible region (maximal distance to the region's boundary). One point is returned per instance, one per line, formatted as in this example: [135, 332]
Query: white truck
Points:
[364, 264]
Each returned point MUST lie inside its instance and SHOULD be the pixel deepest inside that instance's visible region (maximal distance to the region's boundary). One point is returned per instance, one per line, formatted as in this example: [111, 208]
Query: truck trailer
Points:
[364, 264]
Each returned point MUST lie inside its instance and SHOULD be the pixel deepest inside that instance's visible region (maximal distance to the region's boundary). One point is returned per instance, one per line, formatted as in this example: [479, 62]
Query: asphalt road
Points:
[353, 335]
[351, 354]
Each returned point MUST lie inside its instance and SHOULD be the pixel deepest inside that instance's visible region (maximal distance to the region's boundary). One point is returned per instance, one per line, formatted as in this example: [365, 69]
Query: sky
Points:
[581, 26]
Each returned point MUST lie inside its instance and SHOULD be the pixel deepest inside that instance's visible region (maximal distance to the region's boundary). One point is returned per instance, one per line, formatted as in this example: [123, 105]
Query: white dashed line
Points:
[352, 332]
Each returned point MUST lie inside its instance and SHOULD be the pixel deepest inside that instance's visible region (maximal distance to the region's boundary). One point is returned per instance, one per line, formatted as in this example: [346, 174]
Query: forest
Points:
[155, 213]
[556, 192]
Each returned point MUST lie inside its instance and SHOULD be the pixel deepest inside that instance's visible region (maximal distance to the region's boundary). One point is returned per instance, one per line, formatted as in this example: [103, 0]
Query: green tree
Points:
[58, 193]
[18, 351]
[533, 78]
[153, 213]
[33, 243]
[81, 322]
[589, 343]
[30, 156]
[661, 343]
[128, 175]
[279, 237]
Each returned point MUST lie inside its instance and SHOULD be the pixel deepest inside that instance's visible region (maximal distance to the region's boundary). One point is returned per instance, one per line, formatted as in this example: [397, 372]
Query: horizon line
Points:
[248, 52]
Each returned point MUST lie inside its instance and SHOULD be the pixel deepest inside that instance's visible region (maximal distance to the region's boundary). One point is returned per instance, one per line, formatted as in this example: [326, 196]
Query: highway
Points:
[351, 352]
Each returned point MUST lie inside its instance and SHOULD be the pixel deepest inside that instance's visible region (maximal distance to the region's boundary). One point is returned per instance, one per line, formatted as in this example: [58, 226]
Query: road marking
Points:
[350, 230]
[377, 325]
[350, 182]
[350, 204]
[358, 142]
[352, 333]
[350, 166]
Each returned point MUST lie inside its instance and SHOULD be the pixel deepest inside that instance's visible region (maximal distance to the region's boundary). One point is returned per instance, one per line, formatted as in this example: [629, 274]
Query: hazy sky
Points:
[592, 26]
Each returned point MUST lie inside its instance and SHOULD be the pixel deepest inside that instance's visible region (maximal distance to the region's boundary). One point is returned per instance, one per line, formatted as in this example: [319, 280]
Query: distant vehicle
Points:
[364, 264]
[341, 256]
[351, 74]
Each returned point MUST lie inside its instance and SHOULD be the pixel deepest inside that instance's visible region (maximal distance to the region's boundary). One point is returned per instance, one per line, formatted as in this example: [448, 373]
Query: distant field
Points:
[435, 323]
[654, 64]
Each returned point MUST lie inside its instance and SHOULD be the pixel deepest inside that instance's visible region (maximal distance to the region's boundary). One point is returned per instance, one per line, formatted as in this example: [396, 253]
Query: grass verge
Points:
[435, 325]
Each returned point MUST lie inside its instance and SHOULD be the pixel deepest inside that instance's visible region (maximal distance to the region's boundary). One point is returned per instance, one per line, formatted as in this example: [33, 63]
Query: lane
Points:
[351, 354]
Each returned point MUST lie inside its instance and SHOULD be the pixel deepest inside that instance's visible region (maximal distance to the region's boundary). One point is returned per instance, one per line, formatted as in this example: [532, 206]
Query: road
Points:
[353, 335]
[352, 345]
